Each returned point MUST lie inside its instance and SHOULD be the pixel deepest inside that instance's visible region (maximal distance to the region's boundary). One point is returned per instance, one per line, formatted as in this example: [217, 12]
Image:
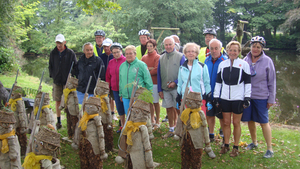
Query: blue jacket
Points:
[199, 78]
[213, 70]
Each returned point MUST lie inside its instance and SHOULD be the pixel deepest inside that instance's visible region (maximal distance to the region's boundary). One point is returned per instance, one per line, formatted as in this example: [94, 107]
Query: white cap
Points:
[60, 38]
[107, 42]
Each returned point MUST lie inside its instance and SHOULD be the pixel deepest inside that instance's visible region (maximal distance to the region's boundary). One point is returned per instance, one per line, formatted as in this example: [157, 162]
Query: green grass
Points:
[167, 152]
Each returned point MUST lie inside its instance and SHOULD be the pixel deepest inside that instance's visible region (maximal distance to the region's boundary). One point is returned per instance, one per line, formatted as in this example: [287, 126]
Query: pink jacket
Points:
[112, 72]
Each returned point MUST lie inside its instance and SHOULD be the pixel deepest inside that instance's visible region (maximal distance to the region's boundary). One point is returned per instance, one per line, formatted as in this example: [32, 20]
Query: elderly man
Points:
[209, 34]
[212, 62]
[177, 41]
[141, 50]
[60, 62]
[88, 65]
[99, 38]
[167, 74]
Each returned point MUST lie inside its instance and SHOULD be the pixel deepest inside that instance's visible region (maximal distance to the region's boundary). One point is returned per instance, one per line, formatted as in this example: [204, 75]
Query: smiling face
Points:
[233, 52]
[191, 53]
[215, 50]
[130, 55]
[88, 51]
[143, 39]
[208, 38]
[99, 40]
[256, 49]
[169, 45]
[107, 50]
[150, 47]
[116, 53]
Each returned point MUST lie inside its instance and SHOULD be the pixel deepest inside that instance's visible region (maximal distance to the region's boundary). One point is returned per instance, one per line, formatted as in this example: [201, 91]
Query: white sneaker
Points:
[114, 117]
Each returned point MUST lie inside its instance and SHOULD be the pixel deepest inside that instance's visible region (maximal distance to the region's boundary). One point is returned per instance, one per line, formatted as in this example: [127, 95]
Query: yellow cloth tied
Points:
[66, 92]
[36, 109]
[195, 117]
[84, 120]
[103, 103]
[3, 137]
[132, 127]
[32, 161]
[13, 103]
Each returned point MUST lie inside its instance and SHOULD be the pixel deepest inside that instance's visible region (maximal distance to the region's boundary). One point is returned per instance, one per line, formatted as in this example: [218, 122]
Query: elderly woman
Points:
[112, 77]
[198, 82]
[263, 93]
[152, 59]
[127, 72]
[233, 87]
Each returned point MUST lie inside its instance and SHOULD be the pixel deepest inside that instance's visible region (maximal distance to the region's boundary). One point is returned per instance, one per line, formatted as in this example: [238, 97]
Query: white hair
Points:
[215, 40]
[88, 43]
[169, 37]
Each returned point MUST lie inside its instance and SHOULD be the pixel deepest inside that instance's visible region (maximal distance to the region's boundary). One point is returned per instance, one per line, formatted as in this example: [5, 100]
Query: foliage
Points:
[146, 96]
[8, 60]
[36, 67]
[92, 6]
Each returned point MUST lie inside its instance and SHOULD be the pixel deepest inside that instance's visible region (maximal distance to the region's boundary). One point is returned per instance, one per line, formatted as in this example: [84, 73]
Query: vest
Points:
[139, 52]
[95, 50]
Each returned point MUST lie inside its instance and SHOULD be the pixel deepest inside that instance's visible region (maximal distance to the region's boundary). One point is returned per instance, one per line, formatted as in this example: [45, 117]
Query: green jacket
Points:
[139, 52]
[127, 76]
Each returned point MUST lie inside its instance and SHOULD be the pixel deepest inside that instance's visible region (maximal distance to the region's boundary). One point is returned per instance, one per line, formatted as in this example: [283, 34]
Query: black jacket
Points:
[60, 64]
[86, 68]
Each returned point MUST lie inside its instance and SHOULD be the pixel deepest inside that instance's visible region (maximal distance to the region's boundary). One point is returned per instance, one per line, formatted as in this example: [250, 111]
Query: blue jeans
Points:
[81, 96]
[119, 104]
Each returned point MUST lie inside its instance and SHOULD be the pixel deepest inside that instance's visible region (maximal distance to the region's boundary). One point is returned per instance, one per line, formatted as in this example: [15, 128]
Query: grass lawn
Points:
[286, 142]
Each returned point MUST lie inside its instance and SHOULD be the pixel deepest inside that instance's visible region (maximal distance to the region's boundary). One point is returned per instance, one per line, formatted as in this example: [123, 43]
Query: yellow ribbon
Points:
[195, 117]
[66, 92]
[37, 108]
[132, 127]
[103, 103]
[85, 118]
[3, 137]
[13, 103]
[32, 161]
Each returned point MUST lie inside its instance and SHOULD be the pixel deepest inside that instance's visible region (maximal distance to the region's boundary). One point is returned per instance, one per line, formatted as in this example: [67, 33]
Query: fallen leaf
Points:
[223, 160]
[166, 145]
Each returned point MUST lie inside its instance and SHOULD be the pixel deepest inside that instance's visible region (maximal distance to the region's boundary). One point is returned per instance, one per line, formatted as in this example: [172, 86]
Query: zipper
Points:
[230, 77]
[116, 72]
[127, 79]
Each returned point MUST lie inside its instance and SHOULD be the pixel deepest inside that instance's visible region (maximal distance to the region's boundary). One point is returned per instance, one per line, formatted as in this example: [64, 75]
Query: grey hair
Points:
[88, 43]
[169, 37]
[215, 40]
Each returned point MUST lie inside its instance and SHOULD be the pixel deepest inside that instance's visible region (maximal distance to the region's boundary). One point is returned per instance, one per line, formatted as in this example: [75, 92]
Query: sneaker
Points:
[234, 152]
[165, 120]
[251, 146]
[224, 150]
[269, 154]
[114, 117]
[120, 129]
[58, 126]
[169, 134]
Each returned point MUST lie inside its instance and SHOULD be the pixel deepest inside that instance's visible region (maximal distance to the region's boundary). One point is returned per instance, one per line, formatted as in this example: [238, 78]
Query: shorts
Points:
[257, 111]
[119, 104]
[57, 92]
[169, 98]
[215, 111]
[126, 104]
[155, 94]
[80, 96]
[232, 106]
[111, 95]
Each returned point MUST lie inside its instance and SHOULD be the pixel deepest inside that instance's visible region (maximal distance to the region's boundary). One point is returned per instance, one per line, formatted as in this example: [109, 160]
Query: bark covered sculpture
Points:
[194, 131]
[101, 91]
[70, 105]
[44, 149]
[92, 144]
[10, 148]
[138, 144]
[17, 106]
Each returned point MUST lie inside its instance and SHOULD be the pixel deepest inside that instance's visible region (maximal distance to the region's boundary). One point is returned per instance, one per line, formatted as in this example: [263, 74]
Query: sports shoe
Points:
[58, 126]
[165, 120]
[251, 146]
[169, 134]
[224, 150]
[114, 117]
[120, 129]
[234, 152]
[269, 154]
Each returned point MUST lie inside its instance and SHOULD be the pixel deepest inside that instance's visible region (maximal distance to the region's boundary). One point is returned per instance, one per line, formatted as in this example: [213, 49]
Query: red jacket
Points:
[112, 72]
[152, 59]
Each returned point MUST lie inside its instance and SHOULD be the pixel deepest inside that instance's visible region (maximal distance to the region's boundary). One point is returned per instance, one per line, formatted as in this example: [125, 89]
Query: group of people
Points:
[230, 87]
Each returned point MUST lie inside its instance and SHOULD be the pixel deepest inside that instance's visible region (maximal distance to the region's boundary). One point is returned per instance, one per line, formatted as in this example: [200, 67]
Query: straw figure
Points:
[138, 145]
[10, 147]
[70, 105]
[18, 107]
[101, 91]
[44, 149]
[92, 144]
[194, 132]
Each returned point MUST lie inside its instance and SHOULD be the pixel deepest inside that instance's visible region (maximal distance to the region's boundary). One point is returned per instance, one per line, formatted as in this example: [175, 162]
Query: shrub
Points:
[8, 60]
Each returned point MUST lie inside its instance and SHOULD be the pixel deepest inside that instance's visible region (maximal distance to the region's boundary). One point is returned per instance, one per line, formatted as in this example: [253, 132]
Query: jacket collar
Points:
[133, 62]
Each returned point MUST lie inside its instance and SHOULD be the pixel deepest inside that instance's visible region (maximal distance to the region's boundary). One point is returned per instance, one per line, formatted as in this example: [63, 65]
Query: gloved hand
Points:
[216, 102]
[209, 106]
[246, 102]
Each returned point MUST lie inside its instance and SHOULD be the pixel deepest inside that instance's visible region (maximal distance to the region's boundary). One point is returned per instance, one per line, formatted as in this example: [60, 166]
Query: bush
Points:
[8, 60]
[35, 67]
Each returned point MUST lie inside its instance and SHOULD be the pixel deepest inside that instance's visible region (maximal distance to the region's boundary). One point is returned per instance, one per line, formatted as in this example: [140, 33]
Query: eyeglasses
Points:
[252, 70]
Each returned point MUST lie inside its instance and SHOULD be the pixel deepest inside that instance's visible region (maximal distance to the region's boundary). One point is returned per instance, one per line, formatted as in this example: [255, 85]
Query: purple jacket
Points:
[263, 84]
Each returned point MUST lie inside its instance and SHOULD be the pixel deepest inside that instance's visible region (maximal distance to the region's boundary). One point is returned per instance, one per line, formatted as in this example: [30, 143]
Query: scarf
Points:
[84, 120]
[32, 161]
[195, 117]
[36, 109]
[13, 103]
[132, 127]
[103, 103]
[66, 92]
[3, 137]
